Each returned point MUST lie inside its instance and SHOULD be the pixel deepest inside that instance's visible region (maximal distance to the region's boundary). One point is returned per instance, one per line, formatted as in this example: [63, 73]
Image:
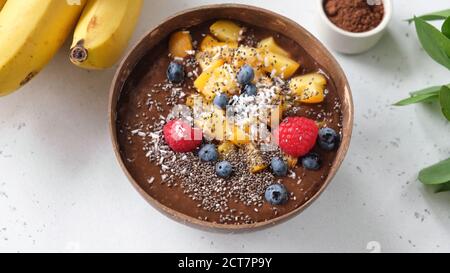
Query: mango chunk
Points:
[279, 65]
[215, 125]
[269, 45]
[247, 55]
[226, 31]
[209, 43]
[236, 135]
[180, 43]
[254, 159]
[193, 99]
[308, 88]
[226, 148]
[206, 58]
[212, 122]
[204, 77]
[291, 161]
[222, 80]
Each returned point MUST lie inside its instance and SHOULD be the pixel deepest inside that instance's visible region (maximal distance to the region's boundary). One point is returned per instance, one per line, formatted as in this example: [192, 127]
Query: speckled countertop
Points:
[61, 188]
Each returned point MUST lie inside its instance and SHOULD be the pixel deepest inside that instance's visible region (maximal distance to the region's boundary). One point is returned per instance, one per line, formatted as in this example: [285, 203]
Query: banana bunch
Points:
[103, 32]
[2, 3]
[32, 31]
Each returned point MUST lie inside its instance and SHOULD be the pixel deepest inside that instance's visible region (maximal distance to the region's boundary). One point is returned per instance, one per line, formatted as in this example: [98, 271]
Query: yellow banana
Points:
[31, 32]
[103, 32]
[2, 3]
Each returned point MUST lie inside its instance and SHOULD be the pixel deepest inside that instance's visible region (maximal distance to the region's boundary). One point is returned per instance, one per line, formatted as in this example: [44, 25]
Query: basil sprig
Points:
[437, 44]
[438, 15]
[446, 28]
[438, 175]
[444, 99]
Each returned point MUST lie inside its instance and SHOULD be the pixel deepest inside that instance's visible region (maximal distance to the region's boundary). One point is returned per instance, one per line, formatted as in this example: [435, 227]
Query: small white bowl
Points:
[349, 42]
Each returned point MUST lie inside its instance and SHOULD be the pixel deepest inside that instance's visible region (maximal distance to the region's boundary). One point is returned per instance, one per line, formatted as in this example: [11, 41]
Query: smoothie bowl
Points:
[230, 117]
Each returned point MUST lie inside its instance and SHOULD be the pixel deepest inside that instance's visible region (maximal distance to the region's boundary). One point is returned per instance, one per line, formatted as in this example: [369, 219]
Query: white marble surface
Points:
[61, 188]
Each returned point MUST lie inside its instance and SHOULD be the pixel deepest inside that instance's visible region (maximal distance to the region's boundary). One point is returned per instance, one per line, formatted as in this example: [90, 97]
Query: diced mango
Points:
[259, 73]
[308, 88]
[222, 80]
[206, 58]
[193, 99]
[269, 45]
[212, 122]
[180, 43]
[208, 94]
[258, 168]
[291, 161]
[214, 125]
[226, 31]
[226, 148]
[279, 65]
[247, 55]
[254, 159]
[209, 43]
[236, 135]
[204, 77]
[190, 101]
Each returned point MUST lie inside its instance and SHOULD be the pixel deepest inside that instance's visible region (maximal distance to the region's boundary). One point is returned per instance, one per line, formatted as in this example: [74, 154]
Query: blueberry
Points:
[276, 194]
[208, 153]
[279, 167]
[224, 169]
[221, 101]
[328, 139]
[249, 90]
[175, 72]
[311, 161]
[245, 75]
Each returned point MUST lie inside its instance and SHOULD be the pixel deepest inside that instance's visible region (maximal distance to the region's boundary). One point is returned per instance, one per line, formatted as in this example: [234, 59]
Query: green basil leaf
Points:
[436, 174]
[433, 89]
[446, 28]
[439, 15]
[443, 187]
[430, 99]
[419, 98]
[436, 44]
[444, 99]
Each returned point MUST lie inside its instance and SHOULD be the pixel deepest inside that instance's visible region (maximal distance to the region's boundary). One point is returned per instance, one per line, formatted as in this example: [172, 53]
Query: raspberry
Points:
[296, 136]
[181, 137]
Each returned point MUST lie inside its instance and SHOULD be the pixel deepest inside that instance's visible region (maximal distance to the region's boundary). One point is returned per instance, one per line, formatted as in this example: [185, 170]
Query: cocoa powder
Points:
[355, 15]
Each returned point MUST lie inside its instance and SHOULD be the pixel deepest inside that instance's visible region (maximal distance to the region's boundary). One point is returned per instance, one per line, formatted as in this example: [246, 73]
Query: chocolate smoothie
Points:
[184, 182]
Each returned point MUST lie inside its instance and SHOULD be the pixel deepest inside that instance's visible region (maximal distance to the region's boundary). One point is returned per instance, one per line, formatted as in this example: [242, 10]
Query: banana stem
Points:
[78, 53]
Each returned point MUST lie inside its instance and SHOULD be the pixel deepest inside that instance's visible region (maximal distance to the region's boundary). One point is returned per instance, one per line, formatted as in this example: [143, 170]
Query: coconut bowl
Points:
[252, 16]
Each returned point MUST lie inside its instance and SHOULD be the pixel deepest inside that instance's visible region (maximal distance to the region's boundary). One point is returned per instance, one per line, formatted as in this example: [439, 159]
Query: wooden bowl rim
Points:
[192, 221]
